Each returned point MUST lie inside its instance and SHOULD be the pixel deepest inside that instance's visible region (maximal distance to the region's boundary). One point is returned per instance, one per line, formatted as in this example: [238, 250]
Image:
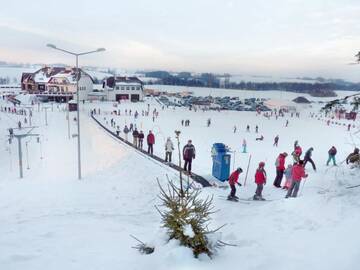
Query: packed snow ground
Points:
[51, 220]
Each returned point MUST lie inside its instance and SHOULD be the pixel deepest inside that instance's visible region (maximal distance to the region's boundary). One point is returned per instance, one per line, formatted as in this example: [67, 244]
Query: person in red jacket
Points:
[233, 179]
[298, 172]
[280, 168]
[150, 141]
[260, 180]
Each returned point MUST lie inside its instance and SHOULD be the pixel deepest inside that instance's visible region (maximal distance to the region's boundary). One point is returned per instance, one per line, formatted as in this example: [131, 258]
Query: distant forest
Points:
[317, 89]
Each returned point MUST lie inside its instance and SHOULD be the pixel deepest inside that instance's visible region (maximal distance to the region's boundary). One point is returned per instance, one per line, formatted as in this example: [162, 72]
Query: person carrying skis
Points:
[298, 172]
[280, 168]
[150, 139]
[288, 177]
[260, 180]
[169, 147]
[141, 139]
[307, 158]
[276, 141]
[126, 131]
[188, 156]
[233, 179]
[135, 137]
[332, 153]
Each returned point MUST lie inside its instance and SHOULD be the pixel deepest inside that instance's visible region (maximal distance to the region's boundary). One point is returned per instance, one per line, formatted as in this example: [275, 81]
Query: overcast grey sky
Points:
[269, 37]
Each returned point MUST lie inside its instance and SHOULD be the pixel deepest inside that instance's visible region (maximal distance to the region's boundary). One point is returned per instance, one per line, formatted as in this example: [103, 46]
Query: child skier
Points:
[260, 180]
[288, 177]
[233, 179]
[298, 172]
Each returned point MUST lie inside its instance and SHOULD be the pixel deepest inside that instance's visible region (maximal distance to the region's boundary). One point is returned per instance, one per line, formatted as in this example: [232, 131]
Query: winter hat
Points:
[261, 164]
[239, 170]
[285, 154]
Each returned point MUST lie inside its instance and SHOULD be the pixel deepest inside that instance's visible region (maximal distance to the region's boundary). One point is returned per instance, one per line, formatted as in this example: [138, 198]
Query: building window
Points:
[127, 88]
[122, 88]
[117, 87]
[133, 88]
[137, 87]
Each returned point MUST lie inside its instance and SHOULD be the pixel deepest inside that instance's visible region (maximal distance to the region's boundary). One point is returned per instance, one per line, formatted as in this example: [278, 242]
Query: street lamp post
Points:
[78, 74]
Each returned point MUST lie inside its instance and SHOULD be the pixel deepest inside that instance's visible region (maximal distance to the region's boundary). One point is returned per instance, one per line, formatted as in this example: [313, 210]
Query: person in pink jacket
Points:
[298, 172]
[288, 177]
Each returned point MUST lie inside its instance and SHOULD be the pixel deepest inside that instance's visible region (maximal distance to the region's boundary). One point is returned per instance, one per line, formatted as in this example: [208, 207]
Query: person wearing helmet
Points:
[260, 180]
[280, 168]
[233, 179]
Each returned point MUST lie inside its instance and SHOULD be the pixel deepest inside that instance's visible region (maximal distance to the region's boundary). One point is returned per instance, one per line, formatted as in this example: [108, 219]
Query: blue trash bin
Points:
[221, 161]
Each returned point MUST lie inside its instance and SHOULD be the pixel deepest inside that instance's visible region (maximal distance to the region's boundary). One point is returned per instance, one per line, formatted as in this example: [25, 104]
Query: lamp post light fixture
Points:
[78, 74]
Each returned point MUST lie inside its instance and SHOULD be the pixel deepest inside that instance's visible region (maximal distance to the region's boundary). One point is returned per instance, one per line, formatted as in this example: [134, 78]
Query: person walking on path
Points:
[307, 158]
[188, 156]
[150, 142]
[260, 180]
[276, 141]
[126, 131]
[280, 168]
[332, 153]
[135, 137]
[141, 139]
[169, 147]
[298, 172]
[233, 179]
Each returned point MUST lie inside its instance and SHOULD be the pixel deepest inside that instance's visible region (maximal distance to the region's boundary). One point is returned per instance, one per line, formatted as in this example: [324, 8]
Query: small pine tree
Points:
[186, 217]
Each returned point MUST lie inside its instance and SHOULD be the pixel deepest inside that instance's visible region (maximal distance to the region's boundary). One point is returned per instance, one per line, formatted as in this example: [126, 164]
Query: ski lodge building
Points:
[124, 88]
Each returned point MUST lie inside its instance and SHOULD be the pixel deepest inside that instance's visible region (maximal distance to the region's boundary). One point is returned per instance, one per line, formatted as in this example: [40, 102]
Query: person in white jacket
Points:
[169, 147]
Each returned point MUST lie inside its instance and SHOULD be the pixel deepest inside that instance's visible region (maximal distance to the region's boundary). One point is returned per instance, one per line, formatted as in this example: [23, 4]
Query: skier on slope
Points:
[276, 141]
[298, 172]
[280, 168]
[307, 158]
[260, 180]
[332, 153]
[297, 153]
[244, 145]
[233, 179]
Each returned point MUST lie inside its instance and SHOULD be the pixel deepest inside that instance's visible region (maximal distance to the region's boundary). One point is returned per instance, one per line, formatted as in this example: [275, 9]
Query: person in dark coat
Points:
[188, 155]
[141, 139]
[307, 158]
[150, 141]
[135, 137]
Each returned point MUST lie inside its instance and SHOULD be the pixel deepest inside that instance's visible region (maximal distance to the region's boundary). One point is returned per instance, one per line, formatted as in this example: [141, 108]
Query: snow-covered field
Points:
[51, 220]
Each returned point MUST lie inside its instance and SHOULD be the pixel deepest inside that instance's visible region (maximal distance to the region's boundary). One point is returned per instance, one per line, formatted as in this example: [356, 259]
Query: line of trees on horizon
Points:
[326, 89]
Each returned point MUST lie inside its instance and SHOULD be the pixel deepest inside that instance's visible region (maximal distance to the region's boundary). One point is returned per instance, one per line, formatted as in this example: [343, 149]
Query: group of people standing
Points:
[294, 172]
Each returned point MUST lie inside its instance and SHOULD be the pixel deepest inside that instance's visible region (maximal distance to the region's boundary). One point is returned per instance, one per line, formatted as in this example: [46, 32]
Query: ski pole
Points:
[247, 170]
[302, 188]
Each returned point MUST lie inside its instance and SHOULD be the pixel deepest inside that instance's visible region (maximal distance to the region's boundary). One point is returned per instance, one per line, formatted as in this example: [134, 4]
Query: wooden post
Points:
[247, 170]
